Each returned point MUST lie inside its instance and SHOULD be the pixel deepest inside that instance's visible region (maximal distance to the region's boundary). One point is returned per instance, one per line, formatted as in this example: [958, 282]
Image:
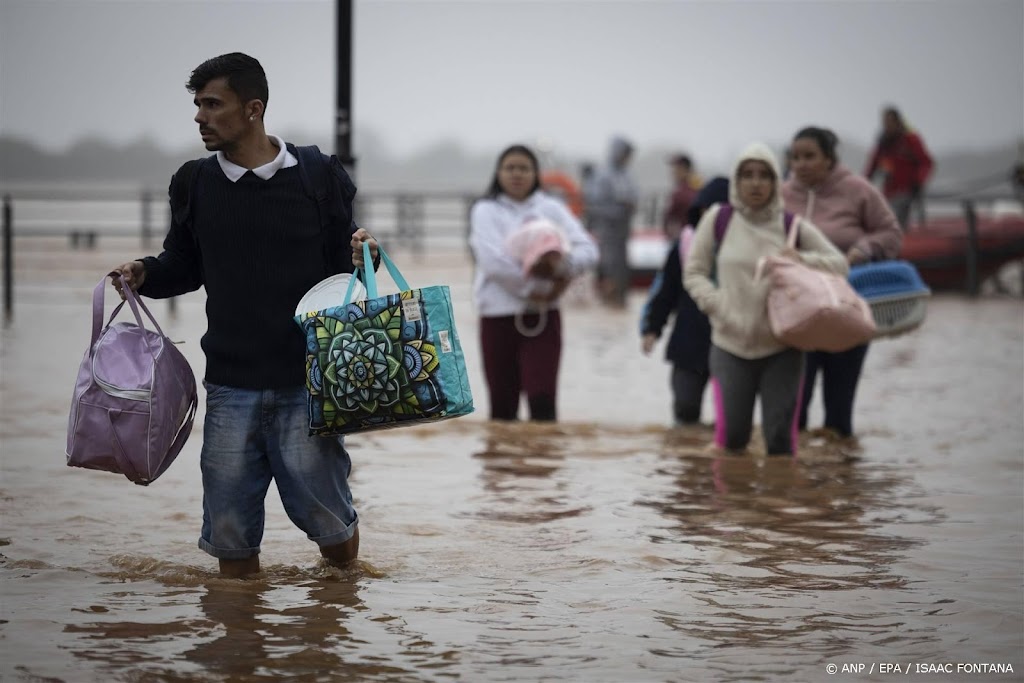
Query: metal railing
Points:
[406, 221]
[414, 222]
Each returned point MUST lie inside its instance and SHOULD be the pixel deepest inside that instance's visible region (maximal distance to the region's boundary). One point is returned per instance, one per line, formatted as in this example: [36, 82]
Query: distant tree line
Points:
[444, 165]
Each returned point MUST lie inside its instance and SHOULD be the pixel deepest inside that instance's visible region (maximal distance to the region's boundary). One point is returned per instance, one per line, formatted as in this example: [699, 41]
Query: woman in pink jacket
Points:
[852, 213]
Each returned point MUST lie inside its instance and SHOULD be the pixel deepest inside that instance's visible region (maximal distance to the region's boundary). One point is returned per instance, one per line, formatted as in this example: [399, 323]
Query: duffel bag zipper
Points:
[117, 392]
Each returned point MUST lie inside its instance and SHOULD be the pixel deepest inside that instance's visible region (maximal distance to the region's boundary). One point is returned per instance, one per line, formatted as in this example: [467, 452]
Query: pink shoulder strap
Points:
[685, 240]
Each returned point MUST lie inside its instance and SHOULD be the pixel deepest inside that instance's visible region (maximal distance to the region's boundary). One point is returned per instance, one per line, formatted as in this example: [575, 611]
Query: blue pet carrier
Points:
[897, 295]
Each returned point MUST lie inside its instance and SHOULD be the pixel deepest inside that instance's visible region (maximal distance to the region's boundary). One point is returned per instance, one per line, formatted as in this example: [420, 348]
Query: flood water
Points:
[608, 547]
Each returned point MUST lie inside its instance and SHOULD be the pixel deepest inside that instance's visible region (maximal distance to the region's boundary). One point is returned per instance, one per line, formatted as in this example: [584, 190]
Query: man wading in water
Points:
[252, 237]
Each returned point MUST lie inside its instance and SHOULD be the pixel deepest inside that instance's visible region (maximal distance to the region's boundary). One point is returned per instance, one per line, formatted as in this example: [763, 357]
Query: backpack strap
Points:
[183, 187]
[314, 172]
[183, 184]
[725, 214]
[722, 219]
[685, 241]
[788, 220]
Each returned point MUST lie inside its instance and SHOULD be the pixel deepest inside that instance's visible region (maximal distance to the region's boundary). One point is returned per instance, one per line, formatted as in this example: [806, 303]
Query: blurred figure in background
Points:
[690, 341]
[511, 289]
[683, 195]
[586, 190]
[852, 213]
[901, 156]
[611, 203]
[1017, 180]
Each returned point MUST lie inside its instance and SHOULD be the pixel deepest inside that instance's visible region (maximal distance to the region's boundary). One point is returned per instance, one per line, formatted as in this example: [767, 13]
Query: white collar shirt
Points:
[284, 159]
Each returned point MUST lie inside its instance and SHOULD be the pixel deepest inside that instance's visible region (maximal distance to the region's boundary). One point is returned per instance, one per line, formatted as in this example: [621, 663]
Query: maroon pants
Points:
[515, 364]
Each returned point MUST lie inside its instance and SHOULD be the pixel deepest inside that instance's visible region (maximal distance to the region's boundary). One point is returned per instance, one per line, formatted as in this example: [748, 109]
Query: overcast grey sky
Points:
[704, 76]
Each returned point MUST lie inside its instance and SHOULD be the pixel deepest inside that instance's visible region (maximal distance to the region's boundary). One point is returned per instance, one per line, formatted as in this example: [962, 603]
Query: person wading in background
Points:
[683, 195]
[520, 324]
[690, 341]
[901, 156]
[611, 201]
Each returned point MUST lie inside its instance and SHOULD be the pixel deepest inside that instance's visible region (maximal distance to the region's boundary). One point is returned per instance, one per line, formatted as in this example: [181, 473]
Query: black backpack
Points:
[314, 169]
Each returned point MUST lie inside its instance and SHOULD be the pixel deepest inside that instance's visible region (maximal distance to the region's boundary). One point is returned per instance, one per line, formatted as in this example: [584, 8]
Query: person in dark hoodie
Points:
[690, 342]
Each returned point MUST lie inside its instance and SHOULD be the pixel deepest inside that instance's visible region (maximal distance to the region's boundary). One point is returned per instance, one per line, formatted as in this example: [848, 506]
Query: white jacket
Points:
[499, 286]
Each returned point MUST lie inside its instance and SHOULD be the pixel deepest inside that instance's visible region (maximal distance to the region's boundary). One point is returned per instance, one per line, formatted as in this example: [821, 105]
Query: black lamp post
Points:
[343, 112]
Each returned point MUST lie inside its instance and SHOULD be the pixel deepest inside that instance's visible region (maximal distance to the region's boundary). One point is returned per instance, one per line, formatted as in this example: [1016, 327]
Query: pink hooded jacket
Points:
[849, 210]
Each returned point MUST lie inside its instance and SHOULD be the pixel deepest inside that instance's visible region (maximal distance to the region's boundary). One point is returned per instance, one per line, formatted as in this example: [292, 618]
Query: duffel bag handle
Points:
[133, 302]
[97, 309]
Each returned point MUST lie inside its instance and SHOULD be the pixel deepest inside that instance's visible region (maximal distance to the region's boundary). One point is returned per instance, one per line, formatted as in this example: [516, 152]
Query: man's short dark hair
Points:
[244, 75]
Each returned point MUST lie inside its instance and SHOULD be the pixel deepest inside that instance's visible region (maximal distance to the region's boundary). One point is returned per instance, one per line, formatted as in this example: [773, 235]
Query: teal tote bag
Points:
[384, 362]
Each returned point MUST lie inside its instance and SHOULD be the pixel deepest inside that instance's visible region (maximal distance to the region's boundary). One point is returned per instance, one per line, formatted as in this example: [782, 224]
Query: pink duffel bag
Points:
[135, 396]
[811, 309]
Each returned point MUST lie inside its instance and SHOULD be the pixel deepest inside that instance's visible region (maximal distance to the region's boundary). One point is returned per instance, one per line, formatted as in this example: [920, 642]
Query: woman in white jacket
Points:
[746, 360]
[522, 357]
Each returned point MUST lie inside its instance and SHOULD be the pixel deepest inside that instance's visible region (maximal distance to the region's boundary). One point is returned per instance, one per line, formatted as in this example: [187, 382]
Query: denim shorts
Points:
[252, 436]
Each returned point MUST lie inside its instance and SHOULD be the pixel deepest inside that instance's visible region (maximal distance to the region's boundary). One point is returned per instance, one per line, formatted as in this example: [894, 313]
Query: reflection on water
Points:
[809, 524]
[285, 625]
[278, 631]
[577, 552]
[774, 541]
[516, 459]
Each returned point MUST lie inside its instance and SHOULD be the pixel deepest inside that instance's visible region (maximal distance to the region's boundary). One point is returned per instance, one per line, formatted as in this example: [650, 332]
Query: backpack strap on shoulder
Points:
[788, 221]
[313, 174]
[316, 184]
[722, 219]
[685, 241]
[334, 209]
[183, 184]
[725, 215]
[183, 188]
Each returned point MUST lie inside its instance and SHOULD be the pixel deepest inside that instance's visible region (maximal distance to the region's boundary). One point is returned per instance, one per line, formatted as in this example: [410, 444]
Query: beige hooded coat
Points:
[735, 301]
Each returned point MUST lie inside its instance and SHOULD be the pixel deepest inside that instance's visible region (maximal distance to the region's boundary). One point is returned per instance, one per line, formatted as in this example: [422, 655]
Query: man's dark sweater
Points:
[258, 247]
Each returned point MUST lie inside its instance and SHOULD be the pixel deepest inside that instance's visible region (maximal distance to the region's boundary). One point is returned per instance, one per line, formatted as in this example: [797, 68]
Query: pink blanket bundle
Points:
[536, 238]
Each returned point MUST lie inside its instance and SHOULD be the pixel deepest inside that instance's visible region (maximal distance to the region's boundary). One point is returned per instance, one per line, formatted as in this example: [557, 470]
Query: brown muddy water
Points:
[609, 547]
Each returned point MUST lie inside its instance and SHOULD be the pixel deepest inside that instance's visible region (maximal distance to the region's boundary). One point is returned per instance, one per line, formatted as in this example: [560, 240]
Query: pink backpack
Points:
[135, 398]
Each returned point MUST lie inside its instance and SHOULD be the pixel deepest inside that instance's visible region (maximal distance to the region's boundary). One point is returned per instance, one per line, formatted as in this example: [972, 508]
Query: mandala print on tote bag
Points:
[366, 366]
[386, 361]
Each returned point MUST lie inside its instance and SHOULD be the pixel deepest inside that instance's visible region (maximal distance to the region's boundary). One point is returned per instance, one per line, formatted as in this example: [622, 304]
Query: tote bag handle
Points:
[369, 277]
